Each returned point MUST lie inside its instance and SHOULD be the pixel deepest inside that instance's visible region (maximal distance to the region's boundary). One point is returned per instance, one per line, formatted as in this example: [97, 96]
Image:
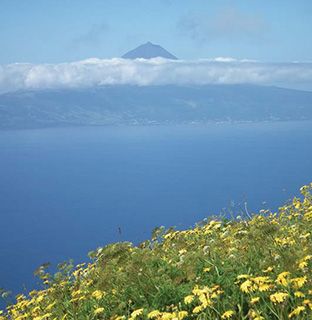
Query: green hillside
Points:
[254, 268]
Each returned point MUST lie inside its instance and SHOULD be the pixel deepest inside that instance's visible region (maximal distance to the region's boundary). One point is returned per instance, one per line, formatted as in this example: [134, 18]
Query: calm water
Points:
[64, 192]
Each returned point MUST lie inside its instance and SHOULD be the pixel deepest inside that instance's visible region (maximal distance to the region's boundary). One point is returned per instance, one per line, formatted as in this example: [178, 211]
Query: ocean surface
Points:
[66, 191]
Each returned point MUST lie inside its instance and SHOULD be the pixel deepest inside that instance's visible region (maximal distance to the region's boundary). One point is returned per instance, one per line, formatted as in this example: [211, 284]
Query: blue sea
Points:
[66, 191]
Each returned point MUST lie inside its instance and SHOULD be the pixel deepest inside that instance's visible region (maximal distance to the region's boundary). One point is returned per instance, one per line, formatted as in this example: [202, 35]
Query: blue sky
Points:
[53, 31]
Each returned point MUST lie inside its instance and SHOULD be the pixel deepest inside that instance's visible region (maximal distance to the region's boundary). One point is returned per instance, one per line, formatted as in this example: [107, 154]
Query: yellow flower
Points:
[207, 269]
[182, 315]
[98, 294]
[262, 283]
[283, 278]
[254, 300]
[154, 314]
[303, 263]
[255, 315]
[264, 287]
[308, 215]
[227, 314]
[296, 311]
[299, 294]
[76, 293]
[298, 282]
[36, 309]
[39, 299]
[204, 300]
[50, 306]
[243, 276]
[136, 313]
[268, 269]
[188, 299]
[198, 309]
[166, 316]
[297, 203]
[278, 297]
[196, 291]
[98, 311]
[305, 236]
[247, 286]
[33, 293]
[308, 303]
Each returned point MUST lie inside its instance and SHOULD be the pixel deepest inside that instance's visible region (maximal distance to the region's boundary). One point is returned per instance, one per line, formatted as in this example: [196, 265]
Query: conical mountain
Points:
[149, 50]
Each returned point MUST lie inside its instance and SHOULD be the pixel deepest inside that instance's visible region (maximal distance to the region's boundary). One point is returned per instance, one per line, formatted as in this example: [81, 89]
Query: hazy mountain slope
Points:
[116, 105]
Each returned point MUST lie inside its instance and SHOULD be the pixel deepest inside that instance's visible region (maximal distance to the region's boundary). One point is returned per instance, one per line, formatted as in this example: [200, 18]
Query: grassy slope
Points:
[258, 268]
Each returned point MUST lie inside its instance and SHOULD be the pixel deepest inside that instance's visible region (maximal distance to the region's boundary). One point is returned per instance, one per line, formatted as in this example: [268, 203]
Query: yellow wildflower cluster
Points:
[256, 267]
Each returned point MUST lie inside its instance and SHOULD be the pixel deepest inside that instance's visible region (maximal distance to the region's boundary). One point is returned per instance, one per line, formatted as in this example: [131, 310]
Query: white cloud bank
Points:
[158, 71]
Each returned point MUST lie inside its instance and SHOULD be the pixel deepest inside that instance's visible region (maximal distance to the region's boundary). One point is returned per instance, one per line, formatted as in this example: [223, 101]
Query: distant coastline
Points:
[152, 105]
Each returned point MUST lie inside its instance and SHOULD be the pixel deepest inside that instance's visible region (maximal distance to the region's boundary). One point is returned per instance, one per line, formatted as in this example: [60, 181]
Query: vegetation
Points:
[255, 268]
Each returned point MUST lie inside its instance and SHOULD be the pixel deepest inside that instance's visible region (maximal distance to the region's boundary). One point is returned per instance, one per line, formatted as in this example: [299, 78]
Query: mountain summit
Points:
[149, 50]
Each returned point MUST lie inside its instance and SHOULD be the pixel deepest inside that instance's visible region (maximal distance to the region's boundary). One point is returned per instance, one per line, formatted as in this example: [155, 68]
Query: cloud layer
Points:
[158, 71]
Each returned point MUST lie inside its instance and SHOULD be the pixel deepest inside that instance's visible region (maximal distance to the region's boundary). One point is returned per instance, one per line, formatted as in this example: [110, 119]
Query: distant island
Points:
[121, 103]
[152, 105]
